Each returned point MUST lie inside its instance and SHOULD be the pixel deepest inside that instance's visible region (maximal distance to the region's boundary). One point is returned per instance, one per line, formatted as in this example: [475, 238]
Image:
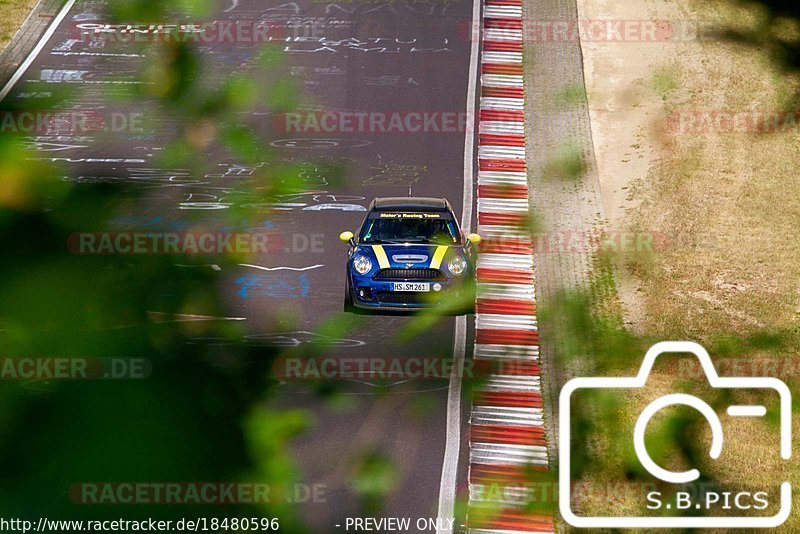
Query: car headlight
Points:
[362, 265]
[457, 265]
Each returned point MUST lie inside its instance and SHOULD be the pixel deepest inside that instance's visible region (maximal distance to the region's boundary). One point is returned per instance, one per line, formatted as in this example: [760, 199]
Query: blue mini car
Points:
[409, 254]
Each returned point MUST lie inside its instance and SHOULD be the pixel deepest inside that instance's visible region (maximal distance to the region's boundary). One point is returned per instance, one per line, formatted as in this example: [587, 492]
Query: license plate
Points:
[411, 286]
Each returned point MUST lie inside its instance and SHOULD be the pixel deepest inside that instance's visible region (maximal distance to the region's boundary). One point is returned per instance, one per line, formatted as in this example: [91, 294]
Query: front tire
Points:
[348, 298]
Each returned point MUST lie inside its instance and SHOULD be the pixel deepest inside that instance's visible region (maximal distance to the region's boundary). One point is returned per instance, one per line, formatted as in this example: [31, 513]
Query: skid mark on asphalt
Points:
[159, 317]
[212, 266]
[284, 340]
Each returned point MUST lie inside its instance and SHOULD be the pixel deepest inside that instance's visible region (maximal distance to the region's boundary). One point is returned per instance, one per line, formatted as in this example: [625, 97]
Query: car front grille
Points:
[386, 297]
[410, 274]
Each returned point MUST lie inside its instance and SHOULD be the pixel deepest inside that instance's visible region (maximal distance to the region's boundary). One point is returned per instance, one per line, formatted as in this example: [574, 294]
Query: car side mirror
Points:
[347, 237]
[474, 238]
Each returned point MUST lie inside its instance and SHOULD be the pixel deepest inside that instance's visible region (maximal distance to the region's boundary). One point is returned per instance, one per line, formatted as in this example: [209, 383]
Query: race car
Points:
[409, 254]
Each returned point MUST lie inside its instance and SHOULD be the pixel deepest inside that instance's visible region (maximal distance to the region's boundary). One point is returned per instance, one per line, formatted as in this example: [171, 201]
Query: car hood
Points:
[411, 256]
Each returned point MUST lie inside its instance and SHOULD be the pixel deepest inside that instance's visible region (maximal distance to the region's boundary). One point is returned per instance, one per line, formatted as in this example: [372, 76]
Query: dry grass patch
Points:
[728, 203]
[14, 14]
[727, 273]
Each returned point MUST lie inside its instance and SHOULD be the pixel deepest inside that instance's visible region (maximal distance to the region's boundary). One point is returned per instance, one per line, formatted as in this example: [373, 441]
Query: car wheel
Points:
[348, 298]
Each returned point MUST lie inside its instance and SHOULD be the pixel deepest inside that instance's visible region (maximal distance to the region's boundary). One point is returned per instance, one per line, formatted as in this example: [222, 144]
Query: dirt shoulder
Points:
[697, 157]
[681, 158]
[21, 26]
[627, 82]
[15, 12]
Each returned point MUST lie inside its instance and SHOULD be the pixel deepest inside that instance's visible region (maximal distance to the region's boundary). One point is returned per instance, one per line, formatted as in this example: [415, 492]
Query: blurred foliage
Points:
[568, 163]
[196, 416]
[776, 33]
[593, 340]
[203, 412]
[571, 96]
[374, 478]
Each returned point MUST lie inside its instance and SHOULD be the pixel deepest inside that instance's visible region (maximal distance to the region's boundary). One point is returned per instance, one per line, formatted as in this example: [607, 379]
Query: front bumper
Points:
[368, 293]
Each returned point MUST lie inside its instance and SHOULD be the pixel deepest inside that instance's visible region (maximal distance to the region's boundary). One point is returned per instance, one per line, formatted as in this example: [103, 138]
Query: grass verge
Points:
[726, 200]
[14, 14]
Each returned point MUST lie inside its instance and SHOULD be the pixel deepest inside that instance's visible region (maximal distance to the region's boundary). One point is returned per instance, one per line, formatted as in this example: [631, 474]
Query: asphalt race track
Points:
[393, 57]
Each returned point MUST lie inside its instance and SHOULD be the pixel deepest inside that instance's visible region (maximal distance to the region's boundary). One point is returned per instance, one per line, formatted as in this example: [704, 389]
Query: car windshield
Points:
[410, 230]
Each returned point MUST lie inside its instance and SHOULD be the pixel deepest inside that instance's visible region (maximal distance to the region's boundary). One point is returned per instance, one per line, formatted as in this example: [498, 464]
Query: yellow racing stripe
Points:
[438, 256]
[383, 261]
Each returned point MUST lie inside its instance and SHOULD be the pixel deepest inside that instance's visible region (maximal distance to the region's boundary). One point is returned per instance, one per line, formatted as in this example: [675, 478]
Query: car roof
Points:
[410, 204]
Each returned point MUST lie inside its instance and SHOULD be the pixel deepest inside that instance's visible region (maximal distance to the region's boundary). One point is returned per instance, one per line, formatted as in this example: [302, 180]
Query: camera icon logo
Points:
[663, 475]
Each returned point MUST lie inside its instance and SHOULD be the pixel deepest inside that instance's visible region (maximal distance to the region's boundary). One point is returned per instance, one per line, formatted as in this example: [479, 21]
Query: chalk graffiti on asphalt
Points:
[391, 7]
[389, 81]
[278, 286]
[273, 269]
[202, 193]
[395, 174]
[311, 143]
[376, 45]
[159, 223]
[303, 337]
[296, 338]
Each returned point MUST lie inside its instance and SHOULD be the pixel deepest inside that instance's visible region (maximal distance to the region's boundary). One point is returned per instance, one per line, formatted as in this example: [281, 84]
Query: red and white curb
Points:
[507, 436]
